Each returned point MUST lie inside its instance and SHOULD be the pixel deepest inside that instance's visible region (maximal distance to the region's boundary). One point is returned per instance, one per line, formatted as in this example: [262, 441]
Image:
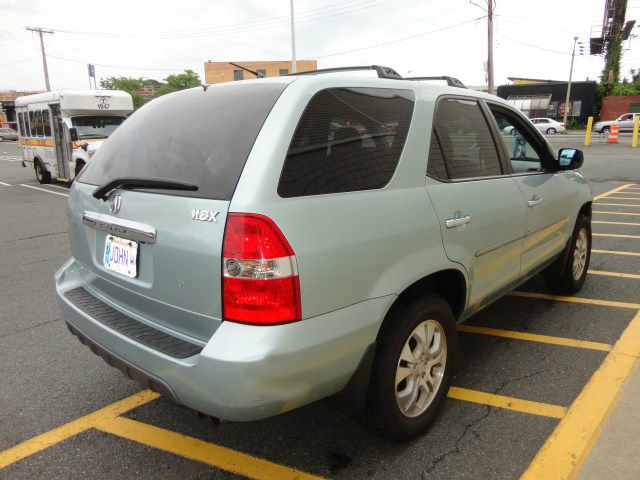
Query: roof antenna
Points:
[253, 72]
[204, 86]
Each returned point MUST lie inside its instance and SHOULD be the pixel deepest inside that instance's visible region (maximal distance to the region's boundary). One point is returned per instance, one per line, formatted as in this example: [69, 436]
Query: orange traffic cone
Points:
[613, 133]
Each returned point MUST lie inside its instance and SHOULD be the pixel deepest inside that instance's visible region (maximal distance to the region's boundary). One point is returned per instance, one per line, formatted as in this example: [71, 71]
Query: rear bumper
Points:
[244, 372]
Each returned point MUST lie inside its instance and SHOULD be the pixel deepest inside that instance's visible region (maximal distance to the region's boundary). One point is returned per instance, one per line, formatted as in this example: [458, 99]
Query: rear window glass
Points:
[196, 136]
[348, 139]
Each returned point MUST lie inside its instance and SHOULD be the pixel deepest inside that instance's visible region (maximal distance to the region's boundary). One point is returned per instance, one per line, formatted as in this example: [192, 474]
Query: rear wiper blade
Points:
[103, 191]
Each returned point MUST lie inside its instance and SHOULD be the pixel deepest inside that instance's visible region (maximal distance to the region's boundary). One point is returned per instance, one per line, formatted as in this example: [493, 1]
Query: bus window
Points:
[39, 123]
[20, 125]
[46, 123]
[32, 124]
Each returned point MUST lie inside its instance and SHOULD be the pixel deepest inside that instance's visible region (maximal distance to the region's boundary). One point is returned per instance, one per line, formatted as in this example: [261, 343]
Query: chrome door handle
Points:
[457, 221]
[535, 201]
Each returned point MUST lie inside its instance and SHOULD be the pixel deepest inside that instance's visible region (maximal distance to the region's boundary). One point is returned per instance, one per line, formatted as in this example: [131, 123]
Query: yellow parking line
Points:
[617, 235]
[615, 252]
[564, 452]
[508, 403]
[618, 204]
[615, 213]
[534, 337]
[614, 274]
[616, 223]
[589, 301]
[39, 443]
[625, 198]
[201, 451]
[613, 190]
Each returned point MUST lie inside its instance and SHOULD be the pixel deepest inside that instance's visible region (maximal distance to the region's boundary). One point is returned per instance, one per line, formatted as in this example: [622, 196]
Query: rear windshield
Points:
[196, 136]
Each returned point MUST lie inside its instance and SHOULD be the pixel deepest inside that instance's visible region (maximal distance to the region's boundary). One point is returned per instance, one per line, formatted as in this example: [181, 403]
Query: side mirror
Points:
[570, 159]
[73, 133]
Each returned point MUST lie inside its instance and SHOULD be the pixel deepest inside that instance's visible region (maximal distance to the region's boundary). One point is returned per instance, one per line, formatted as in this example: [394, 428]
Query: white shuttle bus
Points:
[60, 131]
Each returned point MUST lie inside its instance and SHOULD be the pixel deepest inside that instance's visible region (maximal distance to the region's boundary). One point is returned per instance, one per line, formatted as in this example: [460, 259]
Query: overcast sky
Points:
[424, 37]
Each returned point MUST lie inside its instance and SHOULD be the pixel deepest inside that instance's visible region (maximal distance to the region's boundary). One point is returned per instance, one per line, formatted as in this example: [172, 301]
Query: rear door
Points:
[479, 206]
[156, 254]
[550, 197]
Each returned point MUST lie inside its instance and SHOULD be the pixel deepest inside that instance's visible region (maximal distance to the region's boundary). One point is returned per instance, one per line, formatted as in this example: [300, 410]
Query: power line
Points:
[17, 61]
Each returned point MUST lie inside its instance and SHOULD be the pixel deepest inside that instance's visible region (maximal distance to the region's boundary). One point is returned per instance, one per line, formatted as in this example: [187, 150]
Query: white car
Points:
[625, 122]
[548, 125]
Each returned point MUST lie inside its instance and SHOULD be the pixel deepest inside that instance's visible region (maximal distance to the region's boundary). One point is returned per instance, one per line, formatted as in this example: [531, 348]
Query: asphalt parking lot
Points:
[534, 378]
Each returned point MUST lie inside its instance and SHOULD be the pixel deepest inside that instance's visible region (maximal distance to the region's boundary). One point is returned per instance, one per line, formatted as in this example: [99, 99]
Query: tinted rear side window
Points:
[197, 136]
[466, 140]
[348, 139]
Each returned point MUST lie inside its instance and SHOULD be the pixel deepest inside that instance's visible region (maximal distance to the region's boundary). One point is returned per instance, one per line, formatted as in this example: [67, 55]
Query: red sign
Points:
[564, 107]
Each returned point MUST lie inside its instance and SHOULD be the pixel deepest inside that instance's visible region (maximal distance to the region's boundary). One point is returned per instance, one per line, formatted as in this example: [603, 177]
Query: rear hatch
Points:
[156, 253]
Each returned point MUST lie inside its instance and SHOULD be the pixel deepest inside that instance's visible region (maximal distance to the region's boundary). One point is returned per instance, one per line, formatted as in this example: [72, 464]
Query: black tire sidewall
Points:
[387, 417]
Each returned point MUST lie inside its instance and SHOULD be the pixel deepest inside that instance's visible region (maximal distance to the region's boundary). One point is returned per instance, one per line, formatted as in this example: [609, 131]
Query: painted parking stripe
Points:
[5, 184]
[624, 198]
[564, 452]
[615, 213]
[634, 205]
[66, 189]
[588, 301]
[615, 223]
[508, 403]
[201, 451]
[615, 235]
[615, 252]
[43, 190]
[534, 337]
[614, 274]
[82, 424]
[613, 190]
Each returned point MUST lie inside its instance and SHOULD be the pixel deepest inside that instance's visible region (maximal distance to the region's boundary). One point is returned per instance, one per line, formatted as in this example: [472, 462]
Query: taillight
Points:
[260, 283]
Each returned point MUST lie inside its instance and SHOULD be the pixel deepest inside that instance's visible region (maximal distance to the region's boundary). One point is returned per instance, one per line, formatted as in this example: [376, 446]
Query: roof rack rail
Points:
[451, 81]
[383, 72]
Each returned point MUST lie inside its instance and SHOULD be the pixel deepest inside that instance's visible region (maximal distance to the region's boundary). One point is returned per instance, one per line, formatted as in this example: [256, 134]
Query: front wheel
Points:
[568, 273]
[1, 139]
[42, 175]
[412, 369]
[551, 131]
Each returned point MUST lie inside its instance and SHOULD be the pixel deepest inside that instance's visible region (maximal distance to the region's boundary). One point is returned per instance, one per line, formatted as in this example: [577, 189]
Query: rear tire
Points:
[42, 175]
[405, 397]
[605, 130]
[568, 275]
[551, 131]
[1, 139]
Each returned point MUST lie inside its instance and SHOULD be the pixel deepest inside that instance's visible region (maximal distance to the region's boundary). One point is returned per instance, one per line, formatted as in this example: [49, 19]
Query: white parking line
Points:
[5, 184]
[44, 190]
[66, 189]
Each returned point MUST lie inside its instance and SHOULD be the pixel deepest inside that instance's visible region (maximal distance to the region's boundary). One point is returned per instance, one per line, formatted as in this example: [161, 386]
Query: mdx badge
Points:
[204, 215]
[116, 203]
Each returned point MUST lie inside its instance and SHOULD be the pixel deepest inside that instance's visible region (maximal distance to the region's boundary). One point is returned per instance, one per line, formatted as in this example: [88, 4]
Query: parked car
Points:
[8, 134]
[548, 125]
[625, 122]
[299, 238]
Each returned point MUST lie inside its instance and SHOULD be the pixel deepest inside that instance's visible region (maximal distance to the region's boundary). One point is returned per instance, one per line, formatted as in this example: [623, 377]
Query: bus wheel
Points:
[42, 175]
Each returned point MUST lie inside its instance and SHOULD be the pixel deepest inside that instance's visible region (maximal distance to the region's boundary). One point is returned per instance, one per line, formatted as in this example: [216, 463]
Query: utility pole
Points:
[44, 56]
[490, 5]
[566, 102]
[293, 42]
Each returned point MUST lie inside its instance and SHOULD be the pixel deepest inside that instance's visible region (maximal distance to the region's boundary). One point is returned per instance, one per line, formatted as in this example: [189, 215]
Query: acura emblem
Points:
[114, 206]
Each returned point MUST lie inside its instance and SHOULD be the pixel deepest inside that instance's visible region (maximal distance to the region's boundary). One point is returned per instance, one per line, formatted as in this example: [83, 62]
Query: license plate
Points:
[121, 256]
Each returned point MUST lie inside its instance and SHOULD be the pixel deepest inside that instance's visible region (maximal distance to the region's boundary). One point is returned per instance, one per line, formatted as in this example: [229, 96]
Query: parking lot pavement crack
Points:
[31, 327]
[35, 236]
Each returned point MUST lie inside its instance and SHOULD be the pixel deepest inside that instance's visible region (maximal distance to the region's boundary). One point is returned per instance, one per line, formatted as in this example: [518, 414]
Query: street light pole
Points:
[490, 46]
[293, 42]
[566, 102]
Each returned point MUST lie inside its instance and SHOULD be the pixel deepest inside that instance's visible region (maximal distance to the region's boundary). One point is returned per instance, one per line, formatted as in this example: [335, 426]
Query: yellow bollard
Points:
[634, 140]
[587, 137]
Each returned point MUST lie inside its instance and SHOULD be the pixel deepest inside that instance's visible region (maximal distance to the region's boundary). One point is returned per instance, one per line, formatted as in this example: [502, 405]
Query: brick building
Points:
[220, 72]
[7, 107]
[613, 107]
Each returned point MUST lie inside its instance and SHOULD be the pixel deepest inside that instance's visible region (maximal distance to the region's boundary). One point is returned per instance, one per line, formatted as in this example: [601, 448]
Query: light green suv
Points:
[314, 237]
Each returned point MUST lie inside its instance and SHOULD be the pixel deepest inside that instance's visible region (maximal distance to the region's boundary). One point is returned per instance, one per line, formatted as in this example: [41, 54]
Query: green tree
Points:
[128, 84]
[179, 81]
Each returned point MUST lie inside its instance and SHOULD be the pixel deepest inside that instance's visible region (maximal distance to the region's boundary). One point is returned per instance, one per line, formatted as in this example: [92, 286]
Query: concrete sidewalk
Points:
[616, 453]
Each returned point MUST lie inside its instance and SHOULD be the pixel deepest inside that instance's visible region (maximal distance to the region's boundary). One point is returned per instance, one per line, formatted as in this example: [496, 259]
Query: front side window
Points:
[46, 123]
[96, 126]
[523, 150]
[39, 128]
[348, 139]
[32, 124]
[21, 123]
[465, 139]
